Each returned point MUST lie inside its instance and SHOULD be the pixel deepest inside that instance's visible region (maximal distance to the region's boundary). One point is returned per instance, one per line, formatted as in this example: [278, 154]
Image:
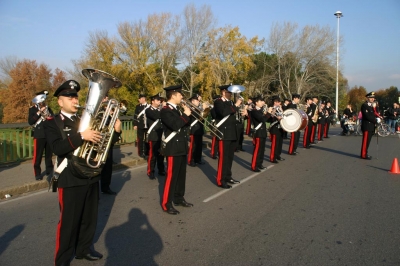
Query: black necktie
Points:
[73, 118]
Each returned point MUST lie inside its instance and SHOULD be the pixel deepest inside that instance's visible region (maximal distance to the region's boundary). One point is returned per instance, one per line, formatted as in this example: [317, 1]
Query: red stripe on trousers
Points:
[212, 146]
[305, 137]
[319, 131]
[190, 148]
[34, 156]
[255, 154]
[291, 145]
[220, 162]
[150, 157]
[248, 126]
[61, 202]
[364, 145]
[170, 163]
[272, 154]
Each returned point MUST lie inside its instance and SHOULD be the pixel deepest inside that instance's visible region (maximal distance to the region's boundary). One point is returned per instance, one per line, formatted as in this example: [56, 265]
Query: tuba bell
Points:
[98, 115]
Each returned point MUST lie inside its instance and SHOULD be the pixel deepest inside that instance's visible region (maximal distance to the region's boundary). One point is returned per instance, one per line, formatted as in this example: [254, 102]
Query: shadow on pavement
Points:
[134, 242]
[9, 236]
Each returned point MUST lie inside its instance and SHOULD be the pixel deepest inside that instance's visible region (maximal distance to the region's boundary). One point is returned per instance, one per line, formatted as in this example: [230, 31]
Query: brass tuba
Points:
[98, 115]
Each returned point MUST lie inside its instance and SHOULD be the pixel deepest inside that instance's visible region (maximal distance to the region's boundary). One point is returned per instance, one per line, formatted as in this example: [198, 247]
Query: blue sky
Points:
[55, 32]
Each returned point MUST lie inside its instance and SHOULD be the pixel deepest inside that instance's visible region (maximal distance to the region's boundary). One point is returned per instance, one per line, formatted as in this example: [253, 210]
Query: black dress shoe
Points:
[161, 173]
[274, 161]
[256, 170]
[172, 211]
[262, 167]
[192, 164]
[233, 181]
[90, 256]
[151, 176]
[296, 152]
[109, 192]
[241, 149]
[214, 157]
[225, 186]
[280, 159]
[326, 137]
[183, 203]
[201, 163]
[39, 177]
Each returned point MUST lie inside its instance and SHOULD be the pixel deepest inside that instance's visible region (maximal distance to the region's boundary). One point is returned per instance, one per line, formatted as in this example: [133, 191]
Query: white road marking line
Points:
[233, 186]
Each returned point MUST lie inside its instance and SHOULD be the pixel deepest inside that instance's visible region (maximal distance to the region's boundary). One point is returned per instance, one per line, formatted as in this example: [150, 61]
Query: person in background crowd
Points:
[196, 133]
[239, 124]
[37, 114]
[391, 114]
[329, 119]
[140, 125]
[347, 113]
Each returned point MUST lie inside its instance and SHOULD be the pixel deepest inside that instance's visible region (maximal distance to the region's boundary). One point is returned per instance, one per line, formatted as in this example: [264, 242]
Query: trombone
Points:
[202, 118]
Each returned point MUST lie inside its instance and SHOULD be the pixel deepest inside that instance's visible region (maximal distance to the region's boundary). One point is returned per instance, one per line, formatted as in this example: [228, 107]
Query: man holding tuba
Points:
[78, 197]
[37, 114]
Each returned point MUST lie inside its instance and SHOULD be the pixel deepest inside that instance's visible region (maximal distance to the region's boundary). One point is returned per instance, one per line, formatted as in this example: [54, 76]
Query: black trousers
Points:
[106, 173]
[366, 140]
[321, 128]
[214, 147]
[40, 146]
[294, 142]
[225, 160]
[78, 220]
[195, 148]
[307, 135]
[258, 153]
[313, 132]
[142, 146]
[155, 157]
[326, 128]
[240, 133]
[276, 146]
[175, 181]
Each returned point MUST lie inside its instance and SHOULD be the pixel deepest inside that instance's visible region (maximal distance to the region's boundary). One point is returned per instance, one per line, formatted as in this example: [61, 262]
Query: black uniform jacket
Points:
[368, 117]
[222, 109]
[173, 120]
[197, 128]
[258, 117]
[139, 121]
[275, 127]
[321, 116]
[291, 106]
[154, 115]
[310, 114]
[33, 117]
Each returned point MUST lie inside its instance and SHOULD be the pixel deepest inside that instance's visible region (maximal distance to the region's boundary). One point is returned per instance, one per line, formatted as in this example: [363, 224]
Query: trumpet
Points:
[275, 111]
[199, 115]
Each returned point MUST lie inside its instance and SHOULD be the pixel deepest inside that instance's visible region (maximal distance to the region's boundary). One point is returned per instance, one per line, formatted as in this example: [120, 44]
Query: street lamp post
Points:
[338, 14]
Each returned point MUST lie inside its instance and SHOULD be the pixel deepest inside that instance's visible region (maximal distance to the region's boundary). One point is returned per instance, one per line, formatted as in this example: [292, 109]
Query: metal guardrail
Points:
[16, 143]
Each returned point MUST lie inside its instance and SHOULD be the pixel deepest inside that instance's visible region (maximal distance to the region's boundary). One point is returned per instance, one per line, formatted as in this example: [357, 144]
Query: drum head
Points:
[291, 120]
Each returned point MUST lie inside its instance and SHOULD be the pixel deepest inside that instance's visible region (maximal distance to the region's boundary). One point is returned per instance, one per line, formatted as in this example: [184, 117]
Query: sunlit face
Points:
[277, 103]
[68, 104]
[296, 100]
[142, 100]
[371, 100]
[155, 103]
[227, 94]
[176, 98]
[315, 100]
[195, 102]
[260, 103]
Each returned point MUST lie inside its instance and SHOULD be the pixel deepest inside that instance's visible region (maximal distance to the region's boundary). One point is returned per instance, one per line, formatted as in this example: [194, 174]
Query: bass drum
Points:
[294, 120]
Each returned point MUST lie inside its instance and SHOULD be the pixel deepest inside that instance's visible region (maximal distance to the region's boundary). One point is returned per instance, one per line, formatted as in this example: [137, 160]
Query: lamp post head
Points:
[338, 14]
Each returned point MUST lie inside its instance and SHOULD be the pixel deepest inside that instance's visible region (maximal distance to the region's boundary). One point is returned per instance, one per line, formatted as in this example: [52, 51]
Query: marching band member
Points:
[40, 143]
[285, 106]
[368, 124]
[196, 134]
[239, 124]
[314, 105]
[321, 120]
[153, 136]
[249, 108]
[78, 197]
[175, 149]
[140, 125]
[259, 119]
[214, 140]
[225, 120]
[308, 130]
[329, 119]
[295, 136]
[276, 131]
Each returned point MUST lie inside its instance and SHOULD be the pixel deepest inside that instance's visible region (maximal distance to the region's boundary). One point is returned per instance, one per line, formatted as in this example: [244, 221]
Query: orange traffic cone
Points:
[395, 167]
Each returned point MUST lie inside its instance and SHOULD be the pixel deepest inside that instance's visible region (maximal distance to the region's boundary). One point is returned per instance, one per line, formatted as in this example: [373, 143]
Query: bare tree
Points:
[304, 57]
[197, 24]
[6, 65]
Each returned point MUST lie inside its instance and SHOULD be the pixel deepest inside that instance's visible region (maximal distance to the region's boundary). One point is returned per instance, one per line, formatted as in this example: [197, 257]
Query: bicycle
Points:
[382, 128]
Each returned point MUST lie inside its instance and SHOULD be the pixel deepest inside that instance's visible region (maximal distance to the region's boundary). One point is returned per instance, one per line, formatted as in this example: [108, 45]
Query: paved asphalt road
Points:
[324, 206]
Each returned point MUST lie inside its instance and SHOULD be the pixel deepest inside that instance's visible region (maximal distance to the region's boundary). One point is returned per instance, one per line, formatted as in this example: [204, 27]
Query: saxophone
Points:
[315, 116]
[98, 115]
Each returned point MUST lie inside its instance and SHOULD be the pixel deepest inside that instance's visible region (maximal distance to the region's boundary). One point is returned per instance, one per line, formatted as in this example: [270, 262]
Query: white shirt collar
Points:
[67, 115]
